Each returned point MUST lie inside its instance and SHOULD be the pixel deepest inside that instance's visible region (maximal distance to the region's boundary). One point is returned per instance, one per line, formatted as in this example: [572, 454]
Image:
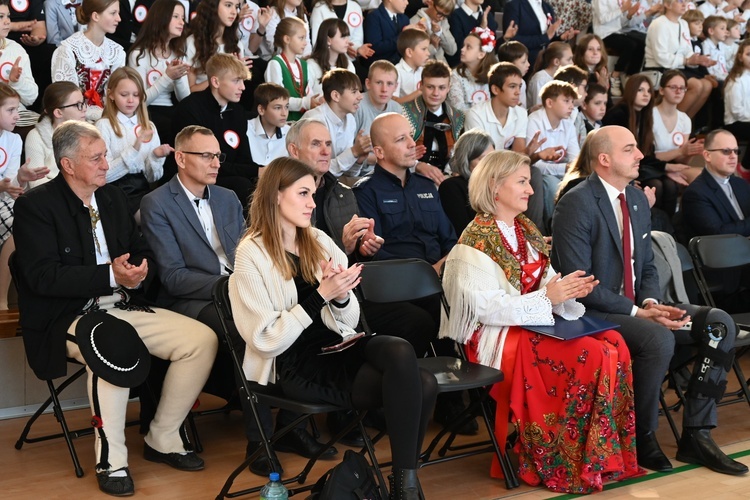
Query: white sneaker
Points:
[615, 87]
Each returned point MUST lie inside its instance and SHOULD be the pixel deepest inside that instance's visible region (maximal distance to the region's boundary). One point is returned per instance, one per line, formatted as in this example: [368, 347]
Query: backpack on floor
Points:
[352, 479]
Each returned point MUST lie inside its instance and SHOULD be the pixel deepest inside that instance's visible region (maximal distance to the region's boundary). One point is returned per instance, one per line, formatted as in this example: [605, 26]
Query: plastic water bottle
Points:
[274, 489]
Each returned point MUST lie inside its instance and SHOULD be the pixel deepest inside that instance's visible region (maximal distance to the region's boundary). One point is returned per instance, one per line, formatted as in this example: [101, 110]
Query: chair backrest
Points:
[224, 309]
[714, 253]
[720, 251]
[398, 281]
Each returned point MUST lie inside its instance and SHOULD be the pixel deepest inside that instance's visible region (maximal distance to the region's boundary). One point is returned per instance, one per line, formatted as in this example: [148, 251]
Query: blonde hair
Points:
[490, 173]
[266, 224]
[287, 27]
[220, 64]
[110, 108]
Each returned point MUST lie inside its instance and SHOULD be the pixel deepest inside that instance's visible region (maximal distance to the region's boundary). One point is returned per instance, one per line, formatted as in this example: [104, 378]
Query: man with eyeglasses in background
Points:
[193, 227]
[217, 108]
[718, 202]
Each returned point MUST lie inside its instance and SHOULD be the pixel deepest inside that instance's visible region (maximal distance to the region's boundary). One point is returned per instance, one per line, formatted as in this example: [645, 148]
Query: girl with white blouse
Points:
[737, 98]
[88, 58]
[133, 152]
[469, 80]
[214, 29]
[62, 101]
[672, 127]
[14, 180]
[281, 9]
[158, 56]
[349, 12]
[668, 46]
[330, 52]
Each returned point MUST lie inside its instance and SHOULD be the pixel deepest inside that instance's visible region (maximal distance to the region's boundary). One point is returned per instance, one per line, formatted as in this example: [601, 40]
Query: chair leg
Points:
[742, 380]
[668, 414]
[64, 425]
[511, 479]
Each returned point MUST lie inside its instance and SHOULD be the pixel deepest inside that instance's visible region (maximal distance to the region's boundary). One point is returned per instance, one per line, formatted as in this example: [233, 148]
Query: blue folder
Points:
[564, 329]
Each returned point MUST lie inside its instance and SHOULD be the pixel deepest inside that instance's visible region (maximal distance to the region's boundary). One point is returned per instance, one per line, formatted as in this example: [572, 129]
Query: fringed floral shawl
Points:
[482, 282]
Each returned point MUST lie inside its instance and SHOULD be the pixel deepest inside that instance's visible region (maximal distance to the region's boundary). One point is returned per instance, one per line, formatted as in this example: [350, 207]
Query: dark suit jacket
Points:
[188, 266]
[382, 34]
[585, 236]
[706, 209]
[56, 263]
[529, 32]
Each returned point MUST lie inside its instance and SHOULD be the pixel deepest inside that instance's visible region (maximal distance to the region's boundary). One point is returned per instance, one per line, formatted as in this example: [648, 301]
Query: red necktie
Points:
[627, 280]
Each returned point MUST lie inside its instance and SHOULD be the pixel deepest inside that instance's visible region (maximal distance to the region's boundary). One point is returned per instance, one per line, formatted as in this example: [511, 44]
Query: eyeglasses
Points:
[675, 88]
[208, 156]
[727, 151]
[80, 106]
[441, 14]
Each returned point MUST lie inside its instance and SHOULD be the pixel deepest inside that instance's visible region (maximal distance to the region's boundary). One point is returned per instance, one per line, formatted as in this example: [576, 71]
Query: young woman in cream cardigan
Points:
[291, 296]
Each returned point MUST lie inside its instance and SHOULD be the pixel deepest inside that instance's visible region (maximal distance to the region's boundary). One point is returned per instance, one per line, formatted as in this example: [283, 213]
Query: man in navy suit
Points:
[603, 226]
[193, 228]
[718, 202]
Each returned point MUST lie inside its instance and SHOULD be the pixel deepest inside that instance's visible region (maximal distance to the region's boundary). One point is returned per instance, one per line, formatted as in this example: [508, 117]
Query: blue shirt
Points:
[410, 218]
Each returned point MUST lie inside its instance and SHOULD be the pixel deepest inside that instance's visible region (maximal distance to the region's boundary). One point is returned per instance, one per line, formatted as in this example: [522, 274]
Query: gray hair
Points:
[295, 131]
[67, 137]
[469, 147]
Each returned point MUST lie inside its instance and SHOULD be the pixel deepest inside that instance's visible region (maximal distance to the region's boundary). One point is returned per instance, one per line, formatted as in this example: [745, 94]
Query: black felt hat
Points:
[112, 349]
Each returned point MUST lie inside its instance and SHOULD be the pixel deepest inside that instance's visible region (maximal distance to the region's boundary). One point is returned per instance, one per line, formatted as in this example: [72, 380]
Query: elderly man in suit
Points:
[79, 251]
[603, 226]
[718, 202]
[193, 227]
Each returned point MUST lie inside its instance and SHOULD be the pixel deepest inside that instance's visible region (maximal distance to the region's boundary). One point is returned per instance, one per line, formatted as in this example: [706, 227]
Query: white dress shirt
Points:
[265, 149]
[202, 207]
[482, 116]
[563, 135]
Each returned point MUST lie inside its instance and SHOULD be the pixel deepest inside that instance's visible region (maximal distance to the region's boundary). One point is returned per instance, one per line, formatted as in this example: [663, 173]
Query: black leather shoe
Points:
[188, 461]
[302, 443]
[261, 466]
[336, 422]
[116, 486]
[447, 410]
[698, 447]
[650, 455]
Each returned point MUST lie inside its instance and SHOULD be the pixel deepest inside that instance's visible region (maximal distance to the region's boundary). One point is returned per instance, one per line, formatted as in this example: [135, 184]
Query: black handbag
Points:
[352, 479]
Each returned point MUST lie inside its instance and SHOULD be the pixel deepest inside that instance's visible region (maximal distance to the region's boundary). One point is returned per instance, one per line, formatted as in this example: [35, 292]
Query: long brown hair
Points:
[266, 224]
[739, 66]
[110, 109]
[641, 123]
[480, 74]
[579, 54]
[204, 27]
[322, 52]
[154, 34]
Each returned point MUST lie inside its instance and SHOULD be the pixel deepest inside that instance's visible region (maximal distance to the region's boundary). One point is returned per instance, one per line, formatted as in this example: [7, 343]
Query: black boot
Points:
[404, 484]
[697, 447]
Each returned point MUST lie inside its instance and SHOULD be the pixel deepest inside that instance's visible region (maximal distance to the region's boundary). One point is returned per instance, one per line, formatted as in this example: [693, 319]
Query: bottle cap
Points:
[274, 476]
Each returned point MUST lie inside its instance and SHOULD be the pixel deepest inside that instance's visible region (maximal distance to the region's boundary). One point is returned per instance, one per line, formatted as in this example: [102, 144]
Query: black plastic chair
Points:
[724, 252]
[54, 391]
[257, 394]
[412, 279]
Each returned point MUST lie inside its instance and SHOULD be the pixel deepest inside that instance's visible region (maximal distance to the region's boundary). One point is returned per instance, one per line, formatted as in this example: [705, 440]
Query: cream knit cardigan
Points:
[266, 311]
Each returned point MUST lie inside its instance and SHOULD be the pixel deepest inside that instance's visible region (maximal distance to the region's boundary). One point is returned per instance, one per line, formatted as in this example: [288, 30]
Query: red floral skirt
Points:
[572, 405]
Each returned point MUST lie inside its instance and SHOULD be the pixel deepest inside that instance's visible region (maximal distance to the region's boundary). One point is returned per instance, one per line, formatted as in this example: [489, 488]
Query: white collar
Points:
[469, 11]
[330, 115]
[190, 195]
[612, 192]
[125, 120]
[718, 178]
